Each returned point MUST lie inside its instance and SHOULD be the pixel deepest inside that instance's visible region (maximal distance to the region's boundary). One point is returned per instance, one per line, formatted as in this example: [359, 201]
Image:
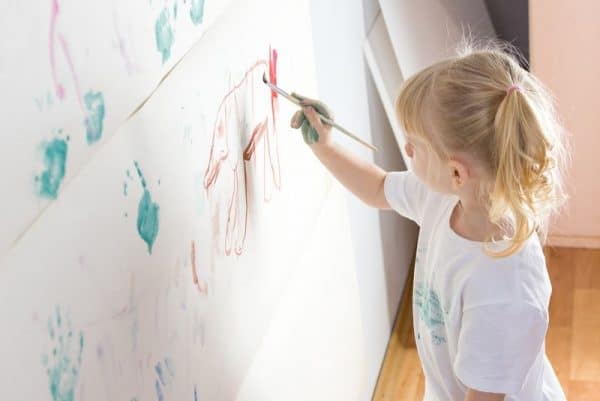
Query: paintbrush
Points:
[321, 116]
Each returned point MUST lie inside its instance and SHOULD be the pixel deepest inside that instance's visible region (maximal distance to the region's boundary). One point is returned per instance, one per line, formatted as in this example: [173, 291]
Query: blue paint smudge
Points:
[148, 212]
[55, 159]
[94, 122]
[197, 11]
[164, 34]
[161, 381]
[62, 367]
[159, 371]
[159, 393]
[195, 393]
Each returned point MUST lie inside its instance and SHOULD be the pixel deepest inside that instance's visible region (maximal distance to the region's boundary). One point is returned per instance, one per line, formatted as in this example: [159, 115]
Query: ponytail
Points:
[523, 192]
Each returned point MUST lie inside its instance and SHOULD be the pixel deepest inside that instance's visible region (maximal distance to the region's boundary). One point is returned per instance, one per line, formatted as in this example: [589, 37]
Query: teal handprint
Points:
[94, 122]
[63, 363]
[163, 33]
[197, 11]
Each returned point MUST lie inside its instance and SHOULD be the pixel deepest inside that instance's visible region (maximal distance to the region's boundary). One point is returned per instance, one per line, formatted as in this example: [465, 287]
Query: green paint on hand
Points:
[94, 102]
[148, 211]
[62, 366]
[164, 34]
[197, 11]
[55, 158]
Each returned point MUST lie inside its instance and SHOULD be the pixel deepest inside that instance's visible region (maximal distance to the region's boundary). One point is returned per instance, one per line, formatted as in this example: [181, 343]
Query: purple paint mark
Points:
[123, 49]
[99, 351]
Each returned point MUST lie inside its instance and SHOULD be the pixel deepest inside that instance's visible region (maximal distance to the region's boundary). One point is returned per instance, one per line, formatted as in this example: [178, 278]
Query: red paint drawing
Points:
[246, 118]
[201, 285]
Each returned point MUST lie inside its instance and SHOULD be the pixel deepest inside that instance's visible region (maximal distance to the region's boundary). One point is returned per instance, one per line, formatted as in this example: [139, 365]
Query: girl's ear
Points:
[459, 173]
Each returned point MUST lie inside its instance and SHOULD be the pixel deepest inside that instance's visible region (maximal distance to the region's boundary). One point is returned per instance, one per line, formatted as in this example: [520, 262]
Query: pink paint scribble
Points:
[236, 125]
[58, 37]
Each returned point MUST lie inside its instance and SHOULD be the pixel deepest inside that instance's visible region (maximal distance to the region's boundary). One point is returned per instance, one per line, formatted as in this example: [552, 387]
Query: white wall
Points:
[383, 241]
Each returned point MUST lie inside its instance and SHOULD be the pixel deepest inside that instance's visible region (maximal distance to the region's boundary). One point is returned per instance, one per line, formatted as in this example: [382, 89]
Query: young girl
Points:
[487, 155]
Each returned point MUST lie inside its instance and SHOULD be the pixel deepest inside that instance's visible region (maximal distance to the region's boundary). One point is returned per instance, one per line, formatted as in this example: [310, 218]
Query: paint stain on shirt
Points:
[427, 303]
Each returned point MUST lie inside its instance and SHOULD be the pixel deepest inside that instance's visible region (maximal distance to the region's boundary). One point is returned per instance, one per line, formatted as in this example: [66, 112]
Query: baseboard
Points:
[573, 241]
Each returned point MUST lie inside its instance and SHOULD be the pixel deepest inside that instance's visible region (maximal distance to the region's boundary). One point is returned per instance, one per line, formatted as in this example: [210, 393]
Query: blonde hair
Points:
[514, 134]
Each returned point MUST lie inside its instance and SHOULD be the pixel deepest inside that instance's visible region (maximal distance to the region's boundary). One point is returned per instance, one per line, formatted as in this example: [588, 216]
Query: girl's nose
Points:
[409, 149]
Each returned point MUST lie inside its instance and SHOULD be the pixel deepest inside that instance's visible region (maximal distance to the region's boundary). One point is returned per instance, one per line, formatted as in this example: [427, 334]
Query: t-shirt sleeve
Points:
[406, 194]
[498, 344]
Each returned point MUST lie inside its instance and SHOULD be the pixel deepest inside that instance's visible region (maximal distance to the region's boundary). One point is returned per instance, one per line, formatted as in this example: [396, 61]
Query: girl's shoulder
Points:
[520, 277]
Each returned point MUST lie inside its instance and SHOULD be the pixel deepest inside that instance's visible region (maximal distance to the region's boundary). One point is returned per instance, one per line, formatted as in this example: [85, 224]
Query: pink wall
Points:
[565, 54]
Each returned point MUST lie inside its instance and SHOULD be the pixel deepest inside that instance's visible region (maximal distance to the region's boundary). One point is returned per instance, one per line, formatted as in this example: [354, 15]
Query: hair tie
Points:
[513, 87]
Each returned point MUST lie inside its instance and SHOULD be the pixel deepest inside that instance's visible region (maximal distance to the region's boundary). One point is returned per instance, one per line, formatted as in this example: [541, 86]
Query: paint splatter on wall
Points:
[148, 212]
[63, 363]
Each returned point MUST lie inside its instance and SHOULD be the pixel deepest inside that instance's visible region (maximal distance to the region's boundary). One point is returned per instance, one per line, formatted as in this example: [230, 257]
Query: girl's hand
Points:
[314, 131]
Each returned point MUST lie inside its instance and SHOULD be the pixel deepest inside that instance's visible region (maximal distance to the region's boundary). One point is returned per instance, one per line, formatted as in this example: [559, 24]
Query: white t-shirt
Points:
[479, 322]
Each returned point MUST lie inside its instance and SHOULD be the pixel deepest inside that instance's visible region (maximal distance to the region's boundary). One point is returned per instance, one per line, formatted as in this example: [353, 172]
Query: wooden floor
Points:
[572, 341]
